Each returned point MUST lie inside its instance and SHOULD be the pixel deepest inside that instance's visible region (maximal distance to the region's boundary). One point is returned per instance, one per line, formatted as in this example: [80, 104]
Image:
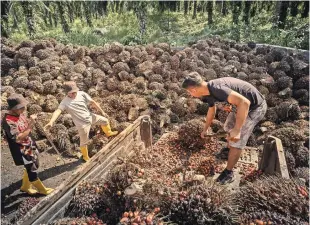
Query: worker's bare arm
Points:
[209, 118]
[53, 119]
[21, 136]
[97, 106]
[243, 105]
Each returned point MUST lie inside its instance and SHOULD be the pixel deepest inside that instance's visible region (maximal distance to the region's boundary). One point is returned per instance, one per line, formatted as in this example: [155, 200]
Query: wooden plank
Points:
[96, 160]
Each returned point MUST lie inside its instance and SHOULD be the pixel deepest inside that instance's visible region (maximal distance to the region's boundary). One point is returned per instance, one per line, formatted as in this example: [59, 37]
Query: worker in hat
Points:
[251, 108]
[17, 129]
[76, 104]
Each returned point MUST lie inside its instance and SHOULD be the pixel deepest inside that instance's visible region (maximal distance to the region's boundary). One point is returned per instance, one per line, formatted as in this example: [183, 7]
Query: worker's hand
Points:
[104, 114]
[33, 117]
[48, 126]
[234, 135]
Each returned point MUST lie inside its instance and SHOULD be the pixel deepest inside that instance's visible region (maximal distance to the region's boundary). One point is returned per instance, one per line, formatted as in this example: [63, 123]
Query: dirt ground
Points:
[52, 172]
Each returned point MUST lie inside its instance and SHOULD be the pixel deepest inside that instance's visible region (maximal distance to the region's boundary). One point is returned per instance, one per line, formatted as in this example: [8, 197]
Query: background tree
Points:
[210, 12]
[87, 11]
[28, 13]
[305, 12]
[195, 10]
[236, 9]
[4, 18]
[64, 24]
[282, 13]
[246, 12]
[185, 7]
[224, 8]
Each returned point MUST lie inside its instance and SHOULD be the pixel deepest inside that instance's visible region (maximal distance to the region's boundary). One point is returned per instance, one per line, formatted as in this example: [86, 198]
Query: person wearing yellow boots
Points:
[76, 104]
[17, 129]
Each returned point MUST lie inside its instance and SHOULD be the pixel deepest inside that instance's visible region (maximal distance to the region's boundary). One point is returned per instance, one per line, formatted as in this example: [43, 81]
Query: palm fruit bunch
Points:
[303, 173]
[202, 204]
[117, 180]
[189, 135]
[141, 217]
[276, 195]
[93, 220]
[269, 217]
[61, 137]
[87, 198]
[25, 206]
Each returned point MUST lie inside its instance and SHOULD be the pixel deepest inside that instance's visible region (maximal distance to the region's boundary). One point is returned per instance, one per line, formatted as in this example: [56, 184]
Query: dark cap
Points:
[70, 87]
[16, 101]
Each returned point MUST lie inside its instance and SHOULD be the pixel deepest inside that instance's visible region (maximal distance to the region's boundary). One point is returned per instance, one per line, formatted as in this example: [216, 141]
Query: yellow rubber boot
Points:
[107, 130]
[26, 185]
[84, 151]
[41, 188]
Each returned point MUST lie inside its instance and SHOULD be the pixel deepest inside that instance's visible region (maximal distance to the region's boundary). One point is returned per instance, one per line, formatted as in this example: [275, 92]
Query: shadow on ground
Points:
[11, 203]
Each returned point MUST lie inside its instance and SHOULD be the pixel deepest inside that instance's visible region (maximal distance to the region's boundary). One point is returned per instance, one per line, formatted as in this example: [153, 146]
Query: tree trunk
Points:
[224, 8]
[121, 7]
[282, 14]
[161, 6]
[178, 6]
[246, 15]
[236, 8]
[195, 10]
[28, 13]
[140, 9]
[15, 21]
[185, 7]
[190, 3]
[87, 14]
[210, 12]
[305, 12]
[253, 9]
[70, 12]
[4, 18]
[294, 8]
[64, 24]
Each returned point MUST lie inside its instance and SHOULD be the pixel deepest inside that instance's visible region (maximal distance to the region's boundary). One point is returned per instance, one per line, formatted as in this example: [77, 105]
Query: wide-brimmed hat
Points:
[16, 101]
[70, 87]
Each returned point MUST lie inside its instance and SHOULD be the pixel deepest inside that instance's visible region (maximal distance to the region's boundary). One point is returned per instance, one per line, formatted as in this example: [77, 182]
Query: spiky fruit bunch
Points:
[288, 110]
[61, 136]
[289, 136]
[290, 161]
[275, 194]
[189, 135]
[302, 172]
[140, 218]
[202, 204]
[87, 197]
[302, 157]
[269, 217]
[25, 206]
[179, 109]
[79, 221]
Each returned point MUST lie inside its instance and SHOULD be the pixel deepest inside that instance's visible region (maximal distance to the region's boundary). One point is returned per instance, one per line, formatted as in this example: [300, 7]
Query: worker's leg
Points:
[228, 125]
[83, 133]
[35, 181]
[236, 147]
[104, 123]
[233, 157]
[26, 185]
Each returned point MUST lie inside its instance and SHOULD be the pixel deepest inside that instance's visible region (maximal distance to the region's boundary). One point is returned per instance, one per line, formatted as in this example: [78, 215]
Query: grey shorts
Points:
[252, 119]
[84, 131]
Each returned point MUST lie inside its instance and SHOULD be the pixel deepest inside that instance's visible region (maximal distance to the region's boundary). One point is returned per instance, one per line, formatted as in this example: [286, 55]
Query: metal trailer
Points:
[137, 135]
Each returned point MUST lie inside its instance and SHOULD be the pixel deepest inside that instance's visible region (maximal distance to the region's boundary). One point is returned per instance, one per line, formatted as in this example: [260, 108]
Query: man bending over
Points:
[251, 108]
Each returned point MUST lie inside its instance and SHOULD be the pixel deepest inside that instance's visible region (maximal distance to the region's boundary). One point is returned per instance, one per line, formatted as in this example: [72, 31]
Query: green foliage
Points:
[161, 26]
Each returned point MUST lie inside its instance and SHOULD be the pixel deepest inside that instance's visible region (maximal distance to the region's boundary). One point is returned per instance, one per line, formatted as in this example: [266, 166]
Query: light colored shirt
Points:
[78, 109]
